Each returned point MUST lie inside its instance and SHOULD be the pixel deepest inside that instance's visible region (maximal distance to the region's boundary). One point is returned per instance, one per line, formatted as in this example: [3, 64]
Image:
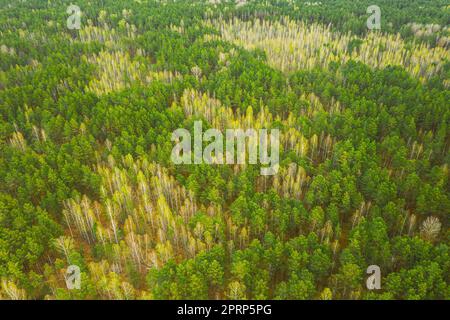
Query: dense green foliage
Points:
[86, 179]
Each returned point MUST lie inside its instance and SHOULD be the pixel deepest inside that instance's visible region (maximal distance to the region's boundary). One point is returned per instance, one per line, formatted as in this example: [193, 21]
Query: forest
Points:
[91, 92]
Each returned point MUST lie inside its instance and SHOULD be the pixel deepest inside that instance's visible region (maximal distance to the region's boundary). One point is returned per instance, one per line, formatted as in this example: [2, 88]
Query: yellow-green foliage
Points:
[292, 45]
